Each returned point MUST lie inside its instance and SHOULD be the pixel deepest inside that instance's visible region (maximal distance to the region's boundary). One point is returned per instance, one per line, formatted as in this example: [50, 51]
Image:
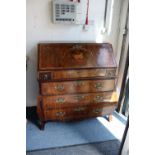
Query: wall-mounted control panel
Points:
[64, 12]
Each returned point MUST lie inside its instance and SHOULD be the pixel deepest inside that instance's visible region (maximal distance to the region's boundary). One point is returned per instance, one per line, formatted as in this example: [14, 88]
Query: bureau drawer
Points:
[71, 74]
[81, 86]
[60, 114]
[76, 113]
[63, 101]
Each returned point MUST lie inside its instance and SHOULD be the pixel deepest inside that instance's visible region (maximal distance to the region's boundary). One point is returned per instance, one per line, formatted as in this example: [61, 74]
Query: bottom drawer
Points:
[70, 114]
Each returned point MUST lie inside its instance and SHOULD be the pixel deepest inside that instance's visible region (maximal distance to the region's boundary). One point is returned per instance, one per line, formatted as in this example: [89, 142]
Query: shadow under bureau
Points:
[76, 81]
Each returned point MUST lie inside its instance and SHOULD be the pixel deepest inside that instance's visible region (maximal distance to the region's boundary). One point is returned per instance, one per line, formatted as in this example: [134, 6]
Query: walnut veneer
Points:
[76, 81]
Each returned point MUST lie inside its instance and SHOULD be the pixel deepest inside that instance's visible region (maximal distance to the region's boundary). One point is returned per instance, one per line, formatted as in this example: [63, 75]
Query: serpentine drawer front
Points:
[69, 87]
[76, 81]
[74, 100]
[77, 112]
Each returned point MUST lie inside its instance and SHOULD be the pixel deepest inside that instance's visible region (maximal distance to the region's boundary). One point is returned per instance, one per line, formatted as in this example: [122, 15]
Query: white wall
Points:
[41, 29]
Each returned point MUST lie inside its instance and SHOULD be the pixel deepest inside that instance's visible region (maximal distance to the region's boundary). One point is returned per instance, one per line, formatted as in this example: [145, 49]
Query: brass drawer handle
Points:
[79, 109]
[60, 114]
[79, 83]
[98, 85]
[79, 97]
[98, 98]
[60, 100]
[45, 76]
[110, 73]
[59, 87]
[96, 111]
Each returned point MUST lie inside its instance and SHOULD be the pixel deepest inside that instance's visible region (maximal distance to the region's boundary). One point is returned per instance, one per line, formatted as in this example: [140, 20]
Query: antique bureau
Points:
[76, 81]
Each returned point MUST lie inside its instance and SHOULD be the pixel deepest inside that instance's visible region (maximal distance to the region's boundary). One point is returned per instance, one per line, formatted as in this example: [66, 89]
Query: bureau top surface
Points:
[55, 56]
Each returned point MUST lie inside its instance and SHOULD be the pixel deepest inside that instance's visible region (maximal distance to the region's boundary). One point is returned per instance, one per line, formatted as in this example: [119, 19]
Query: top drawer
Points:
[80, 86]
[74, 74]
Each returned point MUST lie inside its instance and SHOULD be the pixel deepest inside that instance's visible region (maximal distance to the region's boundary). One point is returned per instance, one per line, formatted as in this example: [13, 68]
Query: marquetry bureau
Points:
[76, 81]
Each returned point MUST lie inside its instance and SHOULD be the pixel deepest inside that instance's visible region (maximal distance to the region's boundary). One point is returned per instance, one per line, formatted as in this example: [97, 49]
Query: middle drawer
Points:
[64, 101]
[80, 86]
